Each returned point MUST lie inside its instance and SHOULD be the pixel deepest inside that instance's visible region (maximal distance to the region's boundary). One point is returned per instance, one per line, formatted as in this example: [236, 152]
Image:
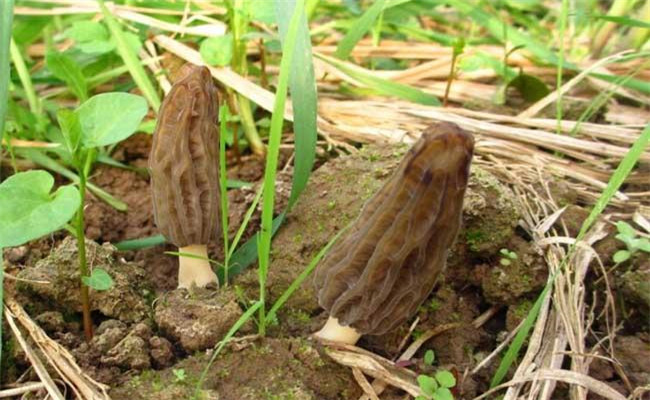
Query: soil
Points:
[153, 341]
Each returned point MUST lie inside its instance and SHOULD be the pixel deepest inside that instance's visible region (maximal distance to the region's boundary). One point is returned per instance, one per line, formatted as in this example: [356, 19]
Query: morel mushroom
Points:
[376, 277]
[184, 164]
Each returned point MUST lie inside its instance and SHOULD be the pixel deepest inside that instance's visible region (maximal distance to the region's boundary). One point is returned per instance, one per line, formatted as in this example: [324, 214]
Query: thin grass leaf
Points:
[301, 278]
[302, 83]
[236, 326]
[130, 59]
[6, 18]
[141, 243]
[270, 170]
[381, 85]
[47, 162]
[625, 21]
[25, 77]
[359, 29]
[223, 117]
[618, 177]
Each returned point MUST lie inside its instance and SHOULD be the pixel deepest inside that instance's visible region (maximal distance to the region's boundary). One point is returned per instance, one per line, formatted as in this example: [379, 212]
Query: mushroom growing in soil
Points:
[376, 276]
[184, 165]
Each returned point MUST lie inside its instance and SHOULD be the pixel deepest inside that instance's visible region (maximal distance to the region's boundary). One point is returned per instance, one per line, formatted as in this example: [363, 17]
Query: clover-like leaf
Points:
[621, 256]
[445, 379]
[625, 228]
[98, 280]
[427, 384]
[108, 118]
[429, 357]
[217, 50]
[28, 210]
[443, 394]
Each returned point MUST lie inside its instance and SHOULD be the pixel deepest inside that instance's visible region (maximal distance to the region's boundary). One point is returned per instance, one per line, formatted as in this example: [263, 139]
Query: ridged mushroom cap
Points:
[184, 160]
[376, 276]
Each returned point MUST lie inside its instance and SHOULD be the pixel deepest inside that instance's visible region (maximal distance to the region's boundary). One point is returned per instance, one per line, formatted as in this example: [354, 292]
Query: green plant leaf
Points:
[626, 21]
[505, 262]
[70, 129]
[625, 229]
[621, 256]
[443, 394]
[28, 210]
[427, 384]
[108, 118]
[98, 280]
[429, 357]
[359, 28]
[644, 245]
[217, 50]
[66, 69]
[383, 86]
[529, 87]
[445, 379]
[90, 37]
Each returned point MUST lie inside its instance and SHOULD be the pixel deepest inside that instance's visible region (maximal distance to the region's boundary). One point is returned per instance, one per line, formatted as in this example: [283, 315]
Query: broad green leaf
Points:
[217, 50]
[358, 29]
[28, 210]
[429, 357]
[443, 394]
[70, 129]
[621, 256]
[445, 379]
[262, 10]
[91, 37]
[625, 228]
[108, 118]
[98, 280]
[427, 384]
[531, 88]
[644, 245]
[66, 69]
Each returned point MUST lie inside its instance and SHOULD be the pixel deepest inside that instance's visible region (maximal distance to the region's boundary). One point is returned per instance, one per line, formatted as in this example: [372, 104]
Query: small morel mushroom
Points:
[184, 165]
[376, 276]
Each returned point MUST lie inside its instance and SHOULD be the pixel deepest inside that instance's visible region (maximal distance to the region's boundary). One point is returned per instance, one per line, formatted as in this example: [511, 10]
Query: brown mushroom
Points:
[376, 277]
[184, 165]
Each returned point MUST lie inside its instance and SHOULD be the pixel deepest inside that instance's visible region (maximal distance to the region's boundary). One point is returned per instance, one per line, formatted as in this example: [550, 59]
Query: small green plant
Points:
[179, 375]
[627, 235]
[507, 257]
[436, 387]
[100, 121]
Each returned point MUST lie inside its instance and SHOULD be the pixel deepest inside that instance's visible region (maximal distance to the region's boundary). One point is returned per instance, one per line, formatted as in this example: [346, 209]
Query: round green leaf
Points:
[621, 256]
[108, 118]
[98, 280]
[446, 379]
[28, 210]
[429, 357]
[427, 384]
[217, 50]
[443, 394]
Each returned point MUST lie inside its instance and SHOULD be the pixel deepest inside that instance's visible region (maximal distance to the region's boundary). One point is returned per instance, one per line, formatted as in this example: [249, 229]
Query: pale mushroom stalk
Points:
[195, 271]
[333, 331]
[378, 274]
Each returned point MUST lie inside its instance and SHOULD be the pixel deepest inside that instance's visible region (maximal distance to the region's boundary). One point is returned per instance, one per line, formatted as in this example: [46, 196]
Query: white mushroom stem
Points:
[195, 271]
[335, 332]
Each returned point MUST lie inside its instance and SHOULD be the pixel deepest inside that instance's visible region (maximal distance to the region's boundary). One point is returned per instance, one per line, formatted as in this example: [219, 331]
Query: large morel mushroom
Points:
[184, 165]
[376, 276]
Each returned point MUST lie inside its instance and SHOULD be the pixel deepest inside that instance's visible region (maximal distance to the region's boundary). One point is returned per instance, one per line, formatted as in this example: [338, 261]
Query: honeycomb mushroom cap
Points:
[375, 277]
[184, 160]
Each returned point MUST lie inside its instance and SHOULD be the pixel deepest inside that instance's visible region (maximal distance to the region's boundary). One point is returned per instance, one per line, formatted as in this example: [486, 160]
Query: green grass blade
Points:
[381, 85]
[625, 21]
[130, 59]
[6, 18]
[358, 29]
[302, 83]
[270, 170]
[236, 326]
[616, 180]
[301, 278]
[141, 243]
[25, 77]
[223, 189]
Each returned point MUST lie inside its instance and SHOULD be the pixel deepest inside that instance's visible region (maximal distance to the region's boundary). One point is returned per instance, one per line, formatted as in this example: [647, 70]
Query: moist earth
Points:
[153, 341]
